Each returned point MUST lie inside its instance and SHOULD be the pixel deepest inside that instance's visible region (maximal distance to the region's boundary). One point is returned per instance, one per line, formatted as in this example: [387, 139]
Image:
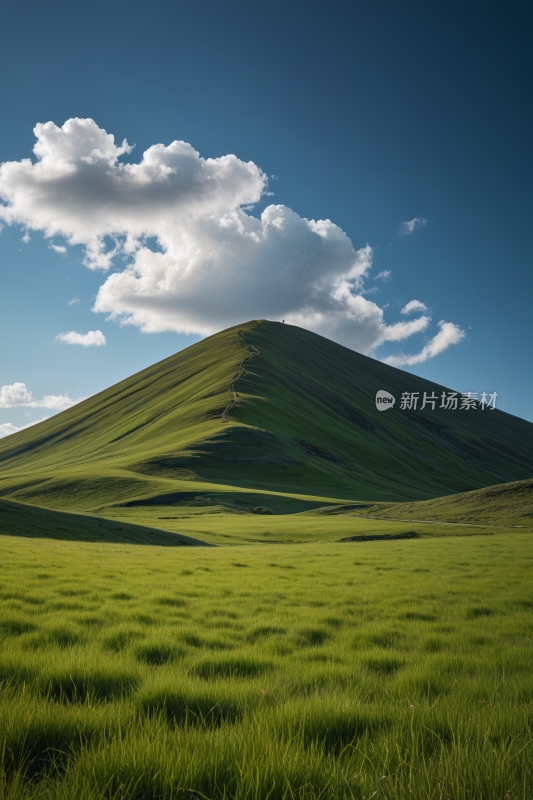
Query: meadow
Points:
[397, 669]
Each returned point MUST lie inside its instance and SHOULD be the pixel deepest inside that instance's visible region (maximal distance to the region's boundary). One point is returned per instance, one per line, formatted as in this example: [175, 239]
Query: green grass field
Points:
[398, 669]
[191, 525]
[282, 663]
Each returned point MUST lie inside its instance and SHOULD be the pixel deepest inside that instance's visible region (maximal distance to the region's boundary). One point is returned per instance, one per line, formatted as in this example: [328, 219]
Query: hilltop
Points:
[263, 417]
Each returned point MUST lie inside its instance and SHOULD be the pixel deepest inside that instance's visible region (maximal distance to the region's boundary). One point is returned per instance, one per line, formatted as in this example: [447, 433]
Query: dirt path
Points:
[435, 522]
[240, 372]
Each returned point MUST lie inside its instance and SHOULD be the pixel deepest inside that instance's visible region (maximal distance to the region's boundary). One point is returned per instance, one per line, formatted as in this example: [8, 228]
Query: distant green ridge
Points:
[505, 504]
[301, 421]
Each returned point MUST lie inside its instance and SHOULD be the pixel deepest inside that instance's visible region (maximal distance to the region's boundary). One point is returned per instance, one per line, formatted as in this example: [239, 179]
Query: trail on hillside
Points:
[436, 522]
[240, 372]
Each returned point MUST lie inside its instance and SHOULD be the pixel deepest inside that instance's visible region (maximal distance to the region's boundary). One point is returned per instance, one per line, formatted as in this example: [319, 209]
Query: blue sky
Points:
[366, 115]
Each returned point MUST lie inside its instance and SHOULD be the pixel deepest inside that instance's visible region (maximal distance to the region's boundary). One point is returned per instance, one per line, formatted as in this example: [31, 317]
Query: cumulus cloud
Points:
[74, 301]
[213, 265]
[384, 275]
[409, 227]
[412, 306]
[449, 334]
[77, 189]
[6, 428]
[90, 339]
[16, 395]
[58, 401]
[26, 238]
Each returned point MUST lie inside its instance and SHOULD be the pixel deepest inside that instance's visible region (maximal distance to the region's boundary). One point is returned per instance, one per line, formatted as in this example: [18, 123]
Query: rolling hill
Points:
[262, 417]
[18, 519]
[505, 504]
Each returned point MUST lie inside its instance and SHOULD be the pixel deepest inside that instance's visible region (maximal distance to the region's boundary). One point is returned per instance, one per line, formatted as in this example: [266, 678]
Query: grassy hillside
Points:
[17, 519]
[505, 504]
[191, 527]
[319, 399]
[302, 431]
[234, 529]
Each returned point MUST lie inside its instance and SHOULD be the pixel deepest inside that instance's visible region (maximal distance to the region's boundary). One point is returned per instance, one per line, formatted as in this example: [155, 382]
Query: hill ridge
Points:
[303, 423]
[240, 373]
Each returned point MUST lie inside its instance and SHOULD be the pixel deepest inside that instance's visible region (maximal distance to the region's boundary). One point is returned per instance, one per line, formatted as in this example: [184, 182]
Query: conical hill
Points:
[300, 419]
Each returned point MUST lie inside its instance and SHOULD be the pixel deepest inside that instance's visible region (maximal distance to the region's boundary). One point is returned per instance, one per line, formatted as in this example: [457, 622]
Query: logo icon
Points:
[384, 400]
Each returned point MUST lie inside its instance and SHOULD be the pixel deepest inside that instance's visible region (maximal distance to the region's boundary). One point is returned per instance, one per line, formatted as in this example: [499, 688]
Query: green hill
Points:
[17, 519]
[302, 431]
[505, 504]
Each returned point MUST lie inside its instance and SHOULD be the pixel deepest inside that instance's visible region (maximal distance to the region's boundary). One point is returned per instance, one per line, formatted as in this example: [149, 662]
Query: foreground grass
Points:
[378, 669]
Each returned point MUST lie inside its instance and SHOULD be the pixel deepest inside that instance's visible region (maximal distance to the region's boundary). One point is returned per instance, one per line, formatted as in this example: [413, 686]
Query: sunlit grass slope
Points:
[505, 504]
[306, 433]
[322, 525]
[297, 672]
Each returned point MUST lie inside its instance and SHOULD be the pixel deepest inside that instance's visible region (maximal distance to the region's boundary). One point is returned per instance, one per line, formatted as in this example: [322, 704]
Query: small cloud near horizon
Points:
[449, 334]
[90, 339]
[409, 227]
[6, 428]
[16, 395]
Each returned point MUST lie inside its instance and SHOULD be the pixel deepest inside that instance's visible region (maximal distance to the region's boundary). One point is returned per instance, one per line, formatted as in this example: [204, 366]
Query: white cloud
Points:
[412, 306]
[78, 189]
[58, 401]
[214, 265]
[6, 428]
[26, 238]
[74, 301]
[449, 334]
[409, 227]
[16, 395]
[384, 276]
[92, 338]
[58, 248]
